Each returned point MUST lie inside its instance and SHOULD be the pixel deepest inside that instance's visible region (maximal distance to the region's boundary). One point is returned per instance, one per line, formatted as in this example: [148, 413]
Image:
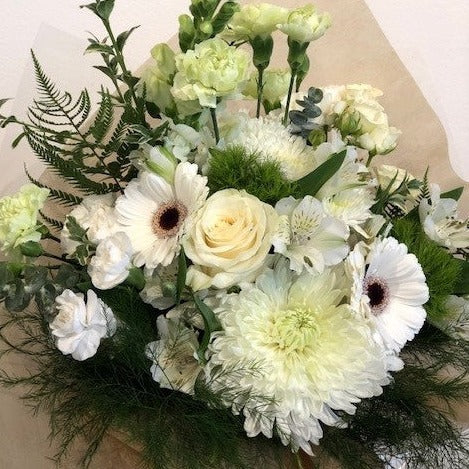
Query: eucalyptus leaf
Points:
[312, 183]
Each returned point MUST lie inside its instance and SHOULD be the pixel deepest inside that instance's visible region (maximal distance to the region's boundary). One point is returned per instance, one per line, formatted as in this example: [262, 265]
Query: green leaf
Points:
[31, 249]
[99, 47]
[3, 101]
[35, 277]
[104, 8]
[211, 325]
[136, 278]
[462, 287]
[17, 298]
[18, 139]
[182, 275]
[122, 38]
[223, 16]
[453, 194]
[310, 184]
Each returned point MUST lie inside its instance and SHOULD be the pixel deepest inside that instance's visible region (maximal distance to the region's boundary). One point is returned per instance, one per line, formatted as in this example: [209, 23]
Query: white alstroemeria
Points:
[352, 206]
[305, 24]
[173, 355]
[18, 216]
[158, 160]
[455, 321]
[272, 141]
[389, 290]
[79, 326]
[155, 214]
[160, 286]
[292, 354]
[110, 265]
[439, 218]
[95, 214]
[308, 237]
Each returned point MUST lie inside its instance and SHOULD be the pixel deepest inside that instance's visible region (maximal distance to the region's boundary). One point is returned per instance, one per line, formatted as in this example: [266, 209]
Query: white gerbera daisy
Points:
[156, 214]
[312, 356]
[308, 236]
[389, 289]
[272, 141]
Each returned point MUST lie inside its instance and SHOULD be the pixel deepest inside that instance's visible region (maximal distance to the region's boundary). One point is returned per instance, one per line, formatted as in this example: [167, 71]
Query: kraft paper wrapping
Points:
[354, 51]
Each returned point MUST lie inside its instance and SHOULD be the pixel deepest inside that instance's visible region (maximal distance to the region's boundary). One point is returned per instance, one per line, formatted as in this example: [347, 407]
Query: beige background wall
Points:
[430, 36]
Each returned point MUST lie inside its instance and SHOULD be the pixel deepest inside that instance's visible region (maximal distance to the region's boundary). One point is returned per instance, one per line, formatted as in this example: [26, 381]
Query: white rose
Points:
[95, 214]
[110, 266]
[173, 356]
[79, 326]
[230, 240]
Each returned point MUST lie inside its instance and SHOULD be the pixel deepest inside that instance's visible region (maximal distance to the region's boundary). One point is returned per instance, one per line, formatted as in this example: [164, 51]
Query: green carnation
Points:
[18, 216]
[210, 71]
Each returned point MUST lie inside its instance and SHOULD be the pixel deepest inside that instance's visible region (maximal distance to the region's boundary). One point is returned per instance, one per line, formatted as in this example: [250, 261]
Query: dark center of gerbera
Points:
[167, 220]
[378, 293]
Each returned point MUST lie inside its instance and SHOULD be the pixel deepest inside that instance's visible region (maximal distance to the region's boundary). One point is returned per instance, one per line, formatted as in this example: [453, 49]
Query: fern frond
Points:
[62, 197]
[67, 169]
[104, 118]
[58, 225]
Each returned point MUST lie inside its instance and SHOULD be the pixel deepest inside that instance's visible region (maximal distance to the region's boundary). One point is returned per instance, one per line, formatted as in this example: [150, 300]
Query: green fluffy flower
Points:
[213, 70]
[305, 24]
[18, 216]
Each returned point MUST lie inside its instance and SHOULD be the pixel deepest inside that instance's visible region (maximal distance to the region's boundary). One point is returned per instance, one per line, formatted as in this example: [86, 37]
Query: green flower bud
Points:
[207, 28]
[262, 50]
[349, 123]
[186, 32]
[317, 137]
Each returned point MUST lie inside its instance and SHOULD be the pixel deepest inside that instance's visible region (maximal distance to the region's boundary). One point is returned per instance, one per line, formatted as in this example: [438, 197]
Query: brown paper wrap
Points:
[354, 50]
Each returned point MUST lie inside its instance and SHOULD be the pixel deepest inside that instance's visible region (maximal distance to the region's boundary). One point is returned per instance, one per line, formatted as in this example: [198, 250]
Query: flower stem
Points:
[290, 92]
[260, 90]
[213, 113]
[52, 237]
[298, 461]
[58, 258]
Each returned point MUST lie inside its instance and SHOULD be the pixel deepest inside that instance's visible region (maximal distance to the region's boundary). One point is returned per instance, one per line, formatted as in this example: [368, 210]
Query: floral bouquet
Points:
[238, 272]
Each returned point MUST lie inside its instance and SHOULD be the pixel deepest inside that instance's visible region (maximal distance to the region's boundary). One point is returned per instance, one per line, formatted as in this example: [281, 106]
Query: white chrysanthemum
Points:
[272, 141]
[173, 356]
[389, 289]
[308, 236]
[439, 218]
[79, 326]
[156, 214]
[293, 354]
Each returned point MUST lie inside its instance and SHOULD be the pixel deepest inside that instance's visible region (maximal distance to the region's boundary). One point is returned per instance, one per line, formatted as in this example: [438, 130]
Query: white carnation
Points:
[96, 215]
[110, 266]
[79, 326]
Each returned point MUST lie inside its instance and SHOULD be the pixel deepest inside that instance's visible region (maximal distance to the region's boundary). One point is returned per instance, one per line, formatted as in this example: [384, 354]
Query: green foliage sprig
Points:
[236, 169]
